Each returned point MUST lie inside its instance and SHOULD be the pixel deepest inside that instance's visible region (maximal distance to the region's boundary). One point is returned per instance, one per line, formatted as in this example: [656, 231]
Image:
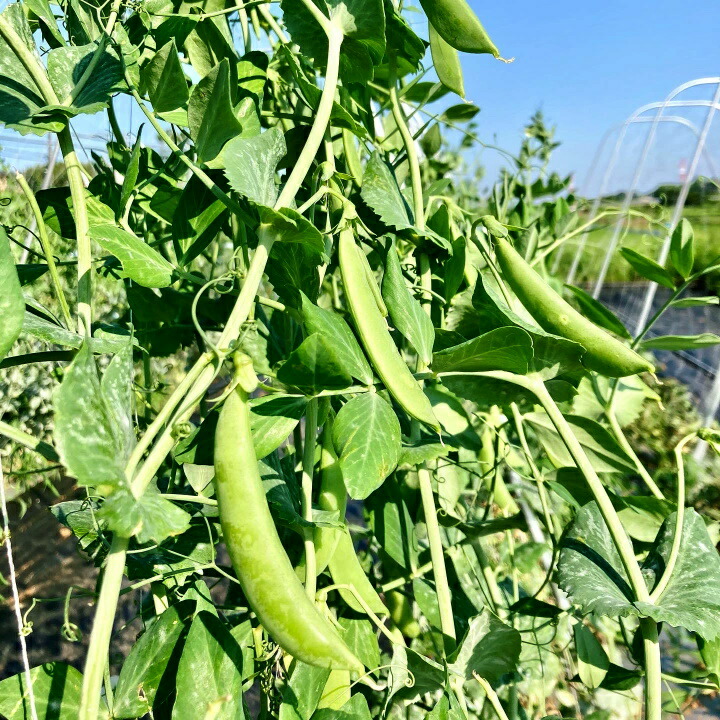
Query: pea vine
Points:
[324, 404]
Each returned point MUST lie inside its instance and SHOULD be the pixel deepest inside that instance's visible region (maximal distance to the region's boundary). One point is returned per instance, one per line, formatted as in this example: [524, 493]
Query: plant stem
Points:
[437, 555]
[491, 696]
[102, 630]
[82, 231]
[47, 248]
[653, 669]
[308, 465]
[617, 531]
[29, 441]
[620, 437]
[412, 156]
[662, 584]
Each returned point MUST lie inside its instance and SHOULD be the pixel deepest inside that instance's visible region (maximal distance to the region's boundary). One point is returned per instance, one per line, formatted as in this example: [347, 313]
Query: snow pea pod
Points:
[447, 63]
[264, 570]
[604, 353]
[459, 26]
[375, 336]
[333, 498]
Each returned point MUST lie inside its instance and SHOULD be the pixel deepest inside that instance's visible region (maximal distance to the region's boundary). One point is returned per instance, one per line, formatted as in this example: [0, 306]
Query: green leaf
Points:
[682, 249]
[366, 433]
[131, 174]
[149, 518]
[67, 65]
[250, 165]
[315, 366]
[209, 43]
[508, 348]
[21, 97]
[600, 446]
[147, 662]
[50, 333]
[272, 419]
[681, 342]
[210, 673]
[648, 268]
[197, 220]
[360, 636]
[696, 301]
[489, 648]
[463, 112]
[590, 570]
[56, 687]
[85, 431]
[406, 313]
[598, 313]
[303, 690]
[422, 452]
[12, 302]
[116, 387]
[692, 597]
[334, 328]
[593, 662]
[142, 263]
[381, 192]
[163, 79]
[80, 517]
[211, 115]
[289, 226]
[356, 708]
[362, 23]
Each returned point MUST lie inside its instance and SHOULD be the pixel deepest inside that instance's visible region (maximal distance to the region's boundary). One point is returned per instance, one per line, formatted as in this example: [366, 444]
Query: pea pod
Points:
[333, 498]
[345, 569]
[604, 353]
[447, 63]
[401, 613]
[265, 573]
[459, 26]
[375, 337]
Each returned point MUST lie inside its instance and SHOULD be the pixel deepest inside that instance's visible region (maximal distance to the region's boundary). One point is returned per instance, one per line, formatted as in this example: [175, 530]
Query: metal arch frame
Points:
[601, 146]
[630, 193]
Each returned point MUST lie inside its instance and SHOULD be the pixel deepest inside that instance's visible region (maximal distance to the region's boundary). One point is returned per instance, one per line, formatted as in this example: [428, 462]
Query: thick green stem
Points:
[653, 669]
[102, 629]
[308, 465]
[46, 248]
[617, 531]
[29, 441]
[437, 555]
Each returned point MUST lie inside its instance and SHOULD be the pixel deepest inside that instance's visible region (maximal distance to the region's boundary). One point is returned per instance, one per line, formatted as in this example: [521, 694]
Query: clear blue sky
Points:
[588, 66]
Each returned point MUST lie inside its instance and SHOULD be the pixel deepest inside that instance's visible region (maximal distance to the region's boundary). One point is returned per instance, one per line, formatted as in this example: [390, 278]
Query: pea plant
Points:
[350, 447]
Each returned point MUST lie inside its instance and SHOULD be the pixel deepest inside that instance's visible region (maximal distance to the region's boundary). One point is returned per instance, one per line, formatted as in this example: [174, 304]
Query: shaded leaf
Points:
[12, 302]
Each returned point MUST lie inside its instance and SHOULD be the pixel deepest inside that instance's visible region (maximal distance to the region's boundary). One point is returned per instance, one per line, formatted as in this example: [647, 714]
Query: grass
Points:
[645, 238]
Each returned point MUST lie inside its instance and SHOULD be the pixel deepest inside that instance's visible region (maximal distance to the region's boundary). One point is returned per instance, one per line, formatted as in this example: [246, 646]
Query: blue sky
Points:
[588, 66]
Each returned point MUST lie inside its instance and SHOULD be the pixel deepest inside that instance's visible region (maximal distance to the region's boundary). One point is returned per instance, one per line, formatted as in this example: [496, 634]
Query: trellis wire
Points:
[692, 362]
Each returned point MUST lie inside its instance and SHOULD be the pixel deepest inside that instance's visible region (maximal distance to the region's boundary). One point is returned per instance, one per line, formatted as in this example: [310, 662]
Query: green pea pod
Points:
[604, 353]
[345, 569]
[375, 337]
[490, 467]
[265, 573]
[447, 63]
[459, 26]
[401, 614]
[332, 497]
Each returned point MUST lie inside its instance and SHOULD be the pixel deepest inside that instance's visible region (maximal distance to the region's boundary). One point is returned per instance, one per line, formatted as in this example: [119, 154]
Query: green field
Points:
[646, 238]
